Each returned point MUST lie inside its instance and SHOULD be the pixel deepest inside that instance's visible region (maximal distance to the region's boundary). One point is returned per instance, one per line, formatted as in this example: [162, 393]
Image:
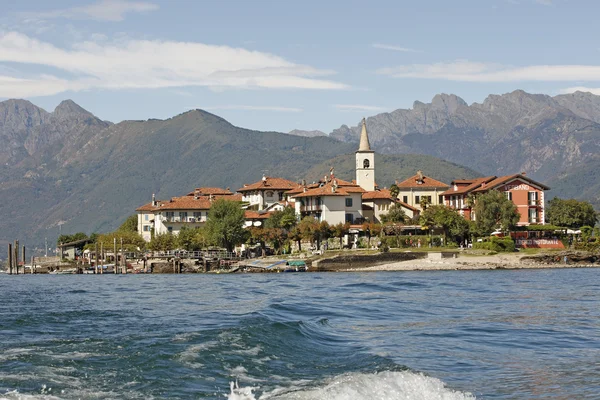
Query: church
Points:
[337, 201]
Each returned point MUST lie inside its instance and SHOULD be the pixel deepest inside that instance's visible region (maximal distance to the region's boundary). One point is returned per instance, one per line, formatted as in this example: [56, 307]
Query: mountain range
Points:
[67, 171]
[554, 139]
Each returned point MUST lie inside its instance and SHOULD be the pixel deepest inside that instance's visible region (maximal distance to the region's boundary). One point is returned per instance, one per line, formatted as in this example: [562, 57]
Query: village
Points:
[331, 223]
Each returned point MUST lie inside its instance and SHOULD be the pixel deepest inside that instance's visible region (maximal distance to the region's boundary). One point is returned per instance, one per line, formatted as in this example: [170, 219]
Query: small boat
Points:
[70, 271]
[295, 266]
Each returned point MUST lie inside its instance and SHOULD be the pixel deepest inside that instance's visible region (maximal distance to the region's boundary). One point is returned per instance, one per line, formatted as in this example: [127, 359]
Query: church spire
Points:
[364, 138]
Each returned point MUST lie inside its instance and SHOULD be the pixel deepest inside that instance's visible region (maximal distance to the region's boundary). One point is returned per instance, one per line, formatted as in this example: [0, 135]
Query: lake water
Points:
[527, 334]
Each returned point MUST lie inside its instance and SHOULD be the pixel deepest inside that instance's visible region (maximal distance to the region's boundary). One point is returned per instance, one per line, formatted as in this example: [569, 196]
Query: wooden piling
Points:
[16, 257]
[102, 258]
[116, 268]
[23, 258]
[96, 256]
[32, 265]
[10, 259]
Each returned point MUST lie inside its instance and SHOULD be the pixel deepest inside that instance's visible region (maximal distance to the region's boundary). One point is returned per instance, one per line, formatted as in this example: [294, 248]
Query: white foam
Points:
[358, 386]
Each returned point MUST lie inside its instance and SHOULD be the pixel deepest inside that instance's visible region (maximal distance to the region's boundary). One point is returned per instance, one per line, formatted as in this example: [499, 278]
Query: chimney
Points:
[303, 182]
[524, 173]
[153, 200]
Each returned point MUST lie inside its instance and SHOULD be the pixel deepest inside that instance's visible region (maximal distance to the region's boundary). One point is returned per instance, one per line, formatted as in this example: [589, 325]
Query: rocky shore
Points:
[487, 262]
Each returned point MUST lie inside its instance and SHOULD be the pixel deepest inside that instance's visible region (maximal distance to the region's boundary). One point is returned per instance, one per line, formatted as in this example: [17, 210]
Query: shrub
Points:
[505, 245]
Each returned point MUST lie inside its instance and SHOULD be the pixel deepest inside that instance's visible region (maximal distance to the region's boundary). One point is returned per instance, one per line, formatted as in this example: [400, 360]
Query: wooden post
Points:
[10, 259]
[24, 258]
[123, 265]
[32, 264]
[96, 254]
[116, 269]
[102, 257]
[16, 260]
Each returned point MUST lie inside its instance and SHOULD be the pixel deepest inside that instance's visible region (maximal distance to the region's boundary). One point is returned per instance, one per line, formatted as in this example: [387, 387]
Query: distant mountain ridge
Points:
[70, 171]
[554, 139]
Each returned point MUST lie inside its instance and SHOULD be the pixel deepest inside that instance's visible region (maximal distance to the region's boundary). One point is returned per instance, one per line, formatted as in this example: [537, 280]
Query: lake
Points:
[522, 334]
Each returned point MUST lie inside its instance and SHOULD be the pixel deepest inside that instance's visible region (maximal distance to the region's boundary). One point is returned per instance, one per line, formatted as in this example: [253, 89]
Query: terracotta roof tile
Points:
[249, 214]
[207, 191]
[378, 194]
[427, 183]
[467, 188]
[269, 183]
[501, 180]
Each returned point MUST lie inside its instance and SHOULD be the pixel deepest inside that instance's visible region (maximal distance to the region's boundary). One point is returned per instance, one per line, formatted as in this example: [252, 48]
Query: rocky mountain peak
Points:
[447, 102]
[69, 109]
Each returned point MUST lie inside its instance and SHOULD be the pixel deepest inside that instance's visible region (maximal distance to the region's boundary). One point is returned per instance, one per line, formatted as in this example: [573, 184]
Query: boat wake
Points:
[360, 386]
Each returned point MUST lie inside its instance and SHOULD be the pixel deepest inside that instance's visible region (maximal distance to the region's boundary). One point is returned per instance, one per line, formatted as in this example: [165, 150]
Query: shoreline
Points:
[469, 263]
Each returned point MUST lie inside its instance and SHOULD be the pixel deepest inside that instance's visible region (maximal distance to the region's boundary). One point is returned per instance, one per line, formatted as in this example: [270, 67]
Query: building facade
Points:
[269, 190]
[413, 190]
[527, 195]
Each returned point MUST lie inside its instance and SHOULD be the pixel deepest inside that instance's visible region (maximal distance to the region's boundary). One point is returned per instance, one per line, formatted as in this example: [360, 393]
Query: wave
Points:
[395, 385]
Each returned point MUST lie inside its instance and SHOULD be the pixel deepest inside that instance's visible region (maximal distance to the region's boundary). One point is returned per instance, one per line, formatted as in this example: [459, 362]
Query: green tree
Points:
[394, 190]
[370, 229]
[130, 224]
[163, 242]
[309, 228]
[570, 213]
[396, 214]
[424, 202]
[339, 231]
[494, 211]
[449, 220]
[285, 219]
[295, 235]
[322, 232]
[192, 239]
[71, 238]
[225, 224]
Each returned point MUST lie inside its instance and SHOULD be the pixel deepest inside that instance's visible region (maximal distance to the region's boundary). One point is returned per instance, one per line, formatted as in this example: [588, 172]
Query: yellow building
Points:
[418, 188]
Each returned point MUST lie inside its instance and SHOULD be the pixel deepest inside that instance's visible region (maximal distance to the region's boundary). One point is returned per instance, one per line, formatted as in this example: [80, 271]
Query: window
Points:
[533, 215]
[366, 163]
[146, 228]
[417, 199]
[183, 215]
[440, 199]
[197, 214]
[170, 214]
[405, 199]
[280, 196]
[349, 218]
[348, 202]
[146, 217]
[533, 198]
[508, 195]
[170, 228]
[429, 199]
[269, 194]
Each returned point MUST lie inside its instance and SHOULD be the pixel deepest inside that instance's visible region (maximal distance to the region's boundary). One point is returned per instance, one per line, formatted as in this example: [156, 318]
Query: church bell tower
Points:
[365, 161]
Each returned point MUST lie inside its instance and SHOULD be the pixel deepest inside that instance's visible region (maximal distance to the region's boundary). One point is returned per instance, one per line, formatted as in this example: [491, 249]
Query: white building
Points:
[269, 190]
[160, 217]
[365, 161]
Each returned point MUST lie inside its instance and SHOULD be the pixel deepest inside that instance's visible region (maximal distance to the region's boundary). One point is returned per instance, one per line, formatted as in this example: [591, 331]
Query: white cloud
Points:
[394, 48]
[467, 71]
[146, 64]
[103, 10]
[581, 89]
[544, 2]
[251, 108]
[357, 107]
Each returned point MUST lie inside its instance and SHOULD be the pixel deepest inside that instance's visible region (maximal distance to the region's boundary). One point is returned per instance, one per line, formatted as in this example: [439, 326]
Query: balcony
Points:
[311, 208]
[184, 220]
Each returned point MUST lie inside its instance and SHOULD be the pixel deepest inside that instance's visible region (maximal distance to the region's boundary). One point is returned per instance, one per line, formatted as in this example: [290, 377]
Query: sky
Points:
[283, 65]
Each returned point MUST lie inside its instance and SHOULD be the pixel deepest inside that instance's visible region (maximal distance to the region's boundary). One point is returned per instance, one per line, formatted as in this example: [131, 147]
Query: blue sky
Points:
[280, 65]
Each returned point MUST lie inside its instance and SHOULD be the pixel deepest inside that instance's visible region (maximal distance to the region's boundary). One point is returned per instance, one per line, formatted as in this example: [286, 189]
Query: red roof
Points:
[466, 186]
[269, 183]
[207, 191]
[328, 190]
[188, 203]
[378, 194]
[502, 180]
[249, 214]
[426, 182]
